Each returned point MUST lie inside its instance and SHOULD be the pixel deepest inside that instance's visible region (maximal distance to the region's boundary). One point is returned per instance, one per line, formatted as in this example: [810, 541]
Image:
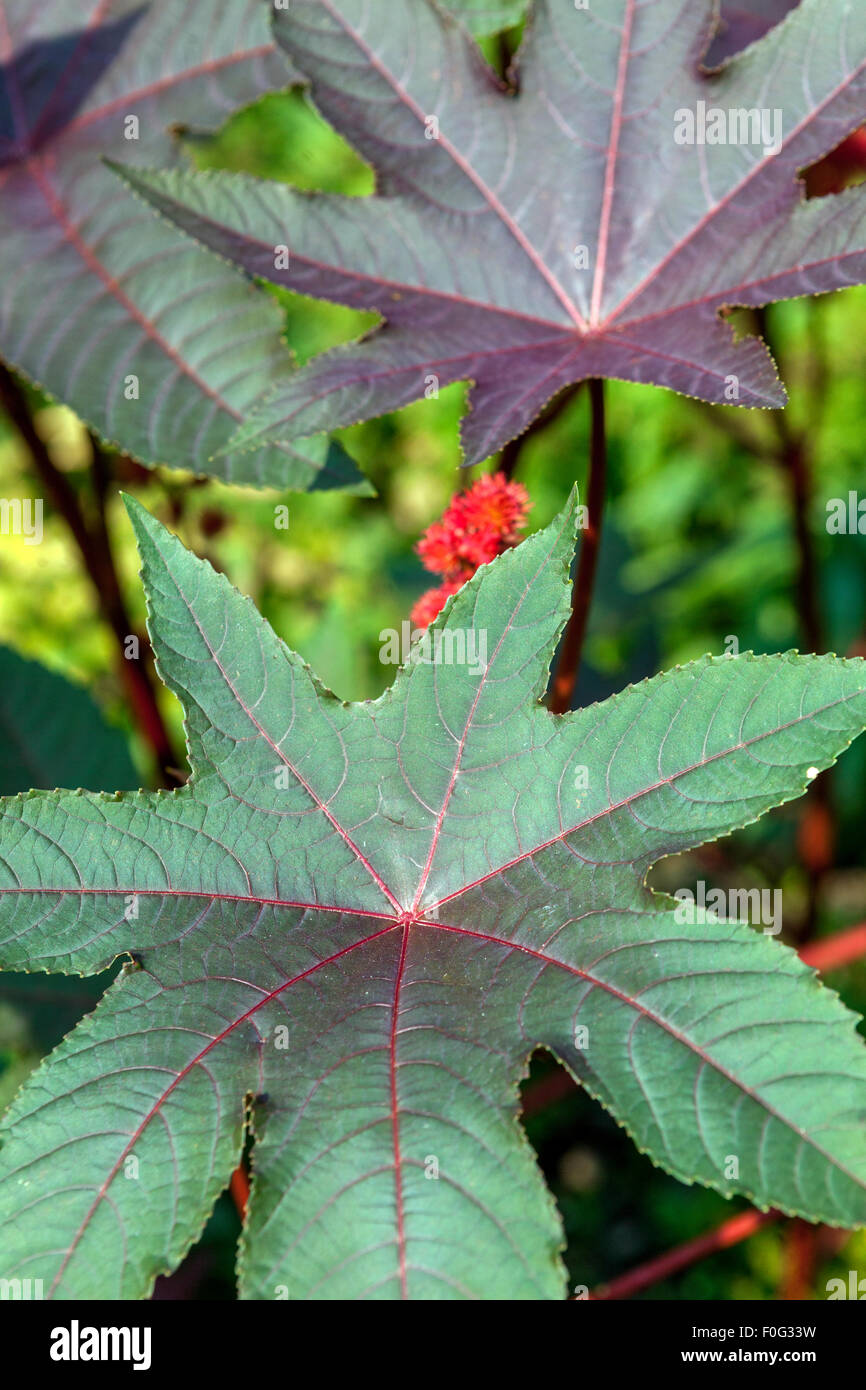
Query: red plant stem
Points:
[796, 467]
[240, 1190]
[730, 1233]
[799, 1258]
[546, 1091]
[817, 821]
[835, 951]
[512, 451]
[568, 665]
[793, 457]
[95, 549]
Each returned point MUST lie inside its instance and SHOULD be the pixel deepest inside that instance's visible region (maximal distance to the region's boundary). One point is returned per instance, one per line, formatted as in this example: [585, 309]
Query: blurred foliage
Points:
[699, 548]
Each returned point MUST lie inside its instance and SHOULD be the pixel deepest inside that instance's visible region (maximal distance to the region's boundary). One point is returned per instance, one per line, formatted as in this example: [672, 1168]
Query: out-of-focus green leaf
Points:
[355, 922]
[53, 734]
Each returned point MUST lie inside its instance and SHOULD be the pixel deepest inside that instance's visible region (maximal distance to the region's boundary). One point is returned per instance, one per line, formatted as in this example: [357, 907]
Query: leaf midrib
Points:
[641, 1009]
[596, 325]
[72, 236]
[490, 939]
[429, 908]
[757, 168]
[562, 333]
[155, 88]
[463, 164]
[184, 1072]
[627, 801]
[461, 747]
[609, 187]
[360, 857]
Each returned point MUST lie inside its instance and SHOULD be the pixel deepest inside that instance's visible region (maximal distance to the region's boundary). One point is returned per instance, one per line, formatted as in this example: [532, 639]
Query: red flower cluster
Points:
[477, 525]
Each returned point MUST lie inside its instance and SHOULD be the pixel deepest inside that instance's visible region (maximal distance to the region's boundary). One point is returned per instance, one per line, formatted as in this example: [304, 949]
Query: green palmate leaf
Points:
[51, 731]
[598, 221]
[355, 923]
[159, 347]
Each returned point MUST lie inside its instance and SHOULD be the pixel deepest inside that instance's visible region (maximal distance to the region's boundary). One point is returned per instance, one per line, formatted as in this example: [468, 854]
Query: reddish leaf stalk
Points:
[511, 454]
[547, 1091]
[842, 949]
[790, 453]
[94, 545]
[796, 467]
[800, 1256]
[568, 666]
[240, 1190]
[730, 1233]
[793, 457]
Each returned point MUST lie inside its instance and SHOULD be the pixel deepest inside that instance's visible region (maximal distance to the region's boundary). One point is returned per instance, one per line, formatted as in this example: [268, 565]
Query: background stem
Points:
[730, 1233]
[568, 665]
[94, 545]
[511, 454]
[794, 458]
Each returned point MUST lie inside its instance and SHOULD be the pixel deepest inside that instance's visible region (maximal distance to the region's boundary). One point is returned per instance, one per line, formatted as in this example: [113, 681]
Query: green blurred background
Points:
[700, 546]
